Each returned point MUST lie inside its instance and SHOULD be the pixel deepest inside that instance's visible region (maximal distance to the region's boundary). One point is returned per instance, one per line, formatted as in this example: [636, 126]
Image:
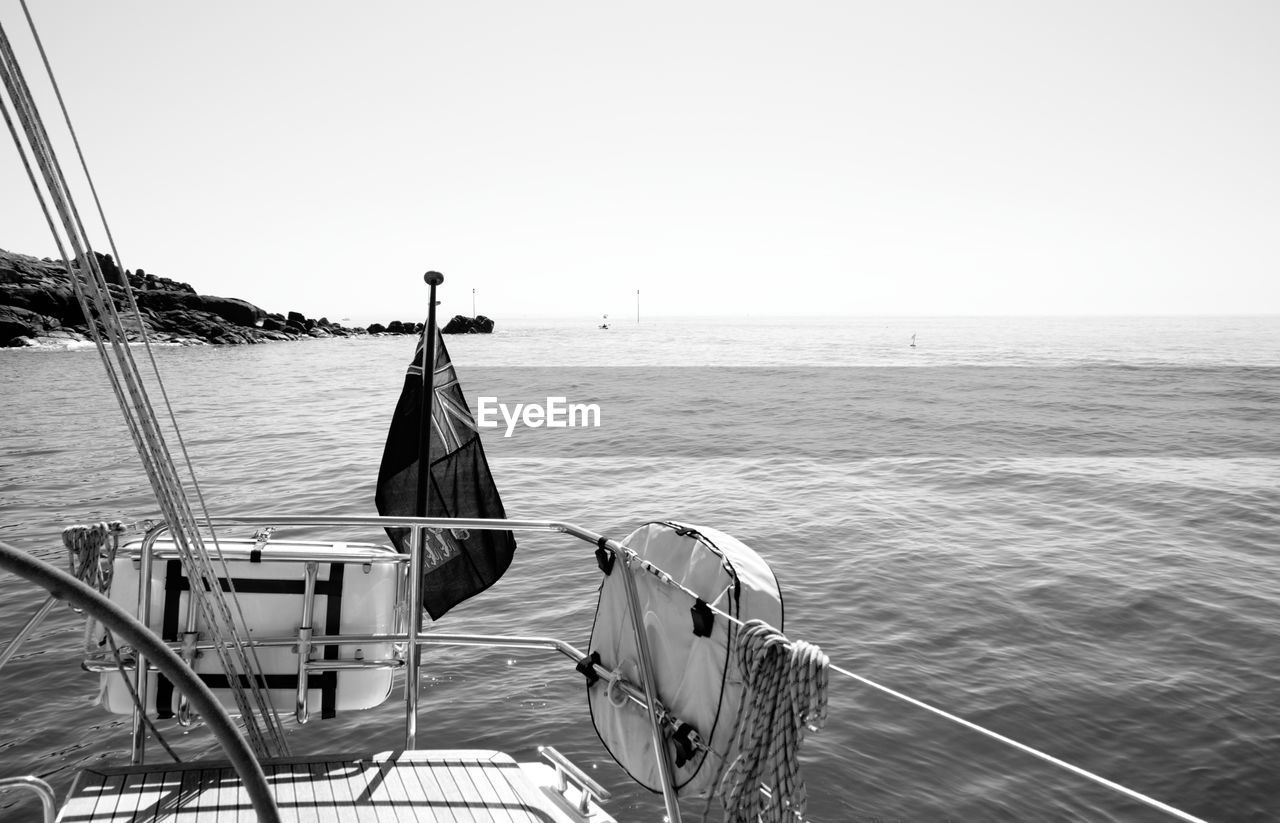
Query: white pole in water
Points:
[473, 303]
[637, 305]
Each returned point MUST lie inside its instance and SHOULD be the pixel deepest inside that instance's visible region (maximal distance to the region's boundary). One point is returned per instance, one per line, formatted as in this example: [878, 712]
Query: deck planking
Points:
[467, 786]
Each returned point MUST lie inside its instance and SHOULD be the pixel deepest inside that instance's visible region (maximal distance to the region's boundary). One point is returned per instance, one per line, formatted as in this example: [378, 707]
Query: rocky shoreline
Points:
[38, 308]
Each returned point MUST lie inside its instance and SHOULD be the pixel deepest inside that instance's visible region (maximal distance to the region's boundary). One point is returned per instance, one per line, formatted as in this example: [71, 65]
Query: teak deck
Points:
[392, 787]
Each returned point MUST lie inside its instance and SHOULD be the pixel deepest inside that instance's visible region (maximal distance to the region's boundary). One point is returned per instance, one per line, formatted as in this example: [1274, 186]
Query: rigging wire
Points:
[1048, 758]
[95, 301]
[256, 664]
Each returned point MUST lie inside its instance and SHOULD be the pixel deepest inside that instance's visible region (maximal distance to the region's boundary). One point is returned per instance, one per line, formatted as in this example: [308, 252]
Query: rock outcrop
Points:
[461, 324]
[38, 307]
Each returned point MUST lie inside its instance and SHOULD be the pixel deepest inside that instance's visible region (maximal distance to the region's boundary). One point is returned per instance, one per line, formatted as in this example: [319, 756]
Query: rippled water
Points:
[1064, 530]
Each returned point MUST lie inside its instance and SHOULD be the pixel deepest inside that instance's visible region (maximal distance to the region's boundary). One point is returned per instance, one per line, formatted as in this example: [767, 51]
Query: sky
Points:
[928, 157]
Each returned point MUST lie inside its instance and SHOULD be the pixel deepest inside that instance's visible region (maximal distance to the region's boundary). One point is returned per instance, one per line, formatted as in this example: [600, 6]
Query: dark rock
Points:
[461, 324]
[110, 272]
[237, 311]
[16, 321]
[53, 301]
[38, 303]
[377, 328]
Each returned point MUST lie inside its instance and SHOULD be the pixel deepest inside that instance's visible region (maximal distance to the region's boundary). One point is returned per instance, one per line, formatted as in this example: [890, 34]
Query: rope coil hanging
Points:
[786, 695]
[91, 552]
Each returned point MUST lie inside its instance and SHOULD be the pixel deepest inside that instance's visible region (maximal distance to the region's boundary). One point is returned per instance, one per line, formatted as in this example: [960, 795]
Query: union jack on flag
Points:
[448, 408]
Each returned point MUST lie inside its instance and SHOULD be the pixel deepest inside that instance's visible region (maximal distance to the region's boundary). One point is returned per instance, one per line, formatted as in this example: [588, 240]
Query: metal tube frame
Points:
[48, 801]
[650, 687]
[138, 744]
[413, 653]
[26, 630]
[302, 711]
[647, 697]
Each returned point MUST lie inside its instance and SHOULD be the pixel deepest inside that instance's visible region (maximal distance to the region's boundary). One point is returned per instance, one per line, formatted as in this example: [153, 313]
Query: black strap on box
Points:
[332, 627]
[175, 583]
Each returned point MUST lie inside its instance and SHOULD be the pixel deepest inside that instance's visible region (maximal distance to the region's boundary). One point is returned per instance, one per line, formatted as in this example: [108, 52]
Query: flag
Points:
[456, 563]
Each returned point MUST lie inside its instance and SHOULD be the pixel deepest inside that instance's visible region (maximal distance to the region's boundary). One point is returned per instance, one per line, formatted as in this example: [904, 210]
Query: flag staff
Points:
[433, 279]
[418, 535]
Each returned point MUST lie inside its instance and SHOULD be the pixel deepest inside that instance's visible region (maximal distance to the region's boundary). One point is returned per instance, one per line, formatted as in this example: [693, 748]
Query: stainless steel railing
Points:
[407, 631]
[646, 695]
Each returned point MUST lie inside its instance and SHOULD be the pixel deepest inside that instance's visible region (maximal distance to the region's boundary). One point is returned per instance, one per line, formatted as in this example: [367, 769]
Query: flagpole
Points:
[433, 279]
[418, 534]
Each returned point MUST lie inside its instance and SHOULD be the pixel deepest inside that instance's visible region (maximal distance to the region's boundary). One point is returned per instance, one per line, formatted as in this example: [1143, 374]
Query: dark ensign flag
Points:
[456, 563]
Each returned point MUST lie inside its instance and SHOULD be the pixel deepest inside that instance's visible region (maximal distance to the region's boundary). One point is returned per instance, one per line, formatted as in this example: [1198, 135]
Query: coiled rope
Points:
[91, 555]
[786, 686]
[91, 552]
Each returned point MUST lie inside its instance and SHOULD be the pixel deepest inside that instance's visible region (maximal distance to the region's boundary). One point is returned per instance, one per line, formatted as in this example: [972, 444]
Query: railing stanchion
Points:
[650, 688]
[301, 703]
[138, 749]
[414, 651]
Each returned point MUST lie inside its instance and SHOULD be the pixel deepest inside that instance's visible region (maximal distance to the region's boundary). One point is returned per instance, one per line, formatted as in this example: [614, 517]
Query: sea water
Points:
[1062, 529]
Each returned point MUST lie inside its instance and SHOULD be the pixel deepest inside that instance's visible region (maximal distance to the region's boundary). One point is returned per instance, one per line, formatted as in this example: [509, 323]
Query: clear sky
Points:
[909, 158]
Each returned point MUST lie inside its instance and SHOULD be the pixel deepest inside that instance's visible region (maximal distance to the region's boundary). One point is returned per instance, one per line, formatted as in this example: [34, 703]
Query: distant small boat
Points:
[605, 324]
[913, 341]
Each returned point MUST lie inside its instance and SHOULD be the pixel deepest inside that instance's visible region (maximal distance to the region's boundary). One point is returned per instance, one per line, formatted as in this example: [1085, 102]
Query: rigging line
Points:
[44, 207]
[1096, 778]
[10, 82]
[1150, 801]
[166, 462]
[146, 339]
[14, 82]
[165, 481]
[137, 700]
